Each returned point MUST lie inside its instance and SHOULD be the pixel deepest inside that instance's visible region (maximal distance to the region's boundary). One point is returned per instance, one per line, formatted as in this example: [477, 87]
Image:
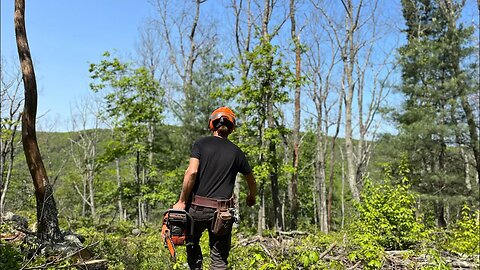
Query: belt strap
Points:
[212, 202]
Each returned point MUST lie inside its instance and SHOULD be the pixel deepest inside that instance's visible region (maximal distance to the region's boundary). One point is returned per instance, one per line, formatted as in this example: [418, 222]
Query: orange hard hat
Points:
[222, 112]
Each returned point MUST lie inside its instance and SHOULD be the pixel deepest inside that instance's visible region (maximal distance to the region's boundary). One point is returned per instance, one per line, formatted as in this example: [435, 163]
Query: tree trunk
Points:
[440, 213]
[47, 220]
[351, 164]
[236, 195]
[274, 184]
[119, 186]
[189, 93]
[466, 163]
[343, 189]
[139, 190]
[2, 165]
[314, 197]
[320, 178]
[5, 178]
[332, 165]
[267, 84]
[349, 64]
[296, 123]
[91, 191]
[261, 213]
[4, 185]
[84, 196]
[472, 128]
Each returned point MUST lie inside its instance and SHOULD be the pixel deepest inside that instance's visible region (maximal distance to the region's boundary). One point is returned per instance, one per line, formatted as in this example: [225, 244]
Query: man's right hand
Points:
[179, 206]
[250, 200]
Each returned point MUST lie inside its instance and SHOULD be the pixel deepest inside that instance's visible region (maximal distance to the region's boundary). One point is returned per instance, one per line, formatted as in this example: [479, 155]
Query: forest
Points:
[362, 131]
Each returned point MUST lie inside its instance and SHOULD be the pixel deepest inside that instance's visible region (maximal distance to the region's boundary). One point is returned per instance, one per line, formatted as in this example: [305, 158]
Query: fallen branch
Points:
[292, 233]
[327, 250]
[45, 265]
[248, 241]
[24, 230]
[268, 253]
[354, 266]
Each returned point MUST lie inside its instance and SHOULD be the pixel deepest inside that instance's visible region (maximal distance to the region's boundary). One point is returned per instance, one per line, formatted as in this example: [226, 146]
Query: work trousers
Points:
[219, 245]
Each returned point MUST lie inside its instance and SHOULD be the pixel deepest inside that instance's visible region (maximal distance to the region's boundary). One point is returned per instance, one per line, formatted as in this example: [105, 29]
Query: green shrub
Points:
[387, 213]
[298, 252]
[465, 237]
[10, 258]
[125, 251]
[365, 247]
[386, 220]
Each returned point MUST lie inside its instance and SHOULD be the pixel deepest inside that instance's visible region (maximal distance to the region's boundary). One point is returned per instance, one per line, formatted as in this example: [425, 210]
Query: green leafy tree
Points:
[260, 97]
[135, 108]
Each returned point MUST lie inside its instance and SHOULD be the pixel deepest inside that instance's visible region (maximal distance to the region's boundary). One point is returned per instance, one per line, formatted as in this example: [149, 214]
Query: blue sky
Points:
[64, 37]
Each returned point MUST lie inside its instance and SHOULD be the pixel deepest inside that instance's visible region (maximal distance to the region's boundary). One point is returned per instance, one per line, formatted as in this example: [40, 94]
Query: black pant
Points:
[219, 245]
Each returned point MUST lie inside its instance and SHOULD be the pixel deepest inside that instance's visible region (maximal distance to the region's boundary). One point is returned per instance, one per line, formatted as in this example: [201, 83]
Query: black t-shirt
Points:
[220, 161]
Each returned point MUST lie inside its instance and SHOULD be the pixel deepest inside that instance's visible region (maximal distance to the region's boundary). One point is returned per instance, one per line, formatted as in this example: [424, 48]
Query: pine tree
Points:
[433, 122]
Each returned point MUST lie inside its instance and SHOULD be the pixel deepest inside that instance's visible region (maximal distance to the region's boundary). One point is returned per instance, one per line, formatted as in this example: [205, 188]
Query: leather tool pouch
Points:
[222, 221]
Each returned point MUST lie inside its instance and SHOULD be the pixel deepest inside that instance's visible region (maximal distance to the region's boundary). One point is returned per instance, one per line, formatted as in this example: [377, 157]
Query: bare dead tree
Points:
[83, 149]
[356, 38]
[47, 220]
[10, 103]
[188, 37]
[244, 23]
[322, 63]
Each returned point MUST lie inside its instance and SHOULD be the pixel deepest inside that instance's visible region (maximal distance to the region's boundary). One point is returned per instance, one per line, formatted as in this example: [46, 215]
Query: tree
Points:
[10, 103]
[191, 47]
[134, 106]
[84, 152]
[261, 97]
[296, 117]
[47, 221]
[437, 84]
[321, 64]
[366, 69]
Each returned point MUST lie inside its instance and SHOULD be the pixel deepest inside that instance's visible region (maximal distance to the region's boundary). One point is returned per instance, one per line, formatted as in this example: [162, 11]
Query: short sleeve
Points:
[195, 153]
[244, 166]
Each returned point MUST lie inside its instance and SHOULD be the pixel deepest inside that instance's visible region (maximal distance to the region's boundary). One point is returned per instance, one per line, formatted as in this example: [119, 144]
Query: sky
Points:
[64, 38]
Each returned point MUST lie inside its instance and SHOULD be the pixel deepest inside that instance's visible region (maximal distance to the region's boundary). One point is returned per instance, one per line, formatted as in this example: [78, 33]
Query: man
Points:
[207, 189]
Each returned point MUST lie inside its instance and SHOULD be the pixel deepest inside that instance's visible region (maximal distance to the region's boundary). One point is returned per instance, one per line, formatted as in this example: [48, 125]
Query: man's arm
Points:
[252, 188]
[188, 183]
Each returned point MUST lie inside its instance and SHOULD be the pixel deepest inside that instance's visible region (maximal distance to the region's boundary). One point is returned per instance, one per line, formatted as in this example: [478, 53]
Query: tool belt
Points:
[213, 203]
[223, 218]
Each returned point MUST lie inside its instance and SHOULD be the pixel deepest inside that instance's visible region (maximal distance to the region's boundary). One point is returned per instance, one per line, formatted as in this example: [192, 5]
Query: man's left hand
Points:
[250, 200]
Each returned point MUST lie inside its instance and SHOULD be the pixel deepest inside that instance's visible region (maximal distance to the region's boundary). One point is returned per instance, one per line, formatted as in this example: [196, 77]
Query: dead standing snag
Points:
[47, 222]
